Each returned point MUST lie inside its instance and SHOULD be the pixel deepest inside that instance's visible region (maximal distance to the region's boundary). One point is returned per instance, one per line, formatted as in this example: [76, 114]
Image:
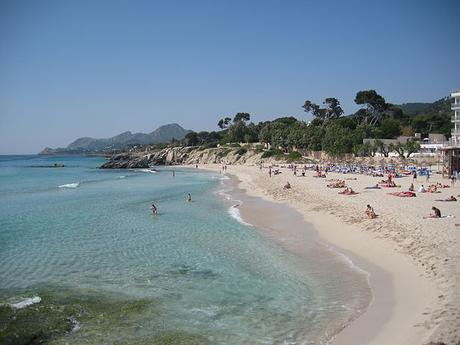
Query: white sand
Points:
[414, 262]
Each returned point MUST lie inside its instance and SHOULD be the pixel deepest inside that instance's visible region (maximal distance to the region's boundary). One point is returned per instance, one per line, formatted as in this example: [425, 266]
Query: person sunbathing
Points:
[287, 185]
[404, 194]
[422, 189]
[433, 189]
[374, 187]
[411, 188]
[435, 213]
[348, 191]
[337, 184]
[451, 198]
[370, 212]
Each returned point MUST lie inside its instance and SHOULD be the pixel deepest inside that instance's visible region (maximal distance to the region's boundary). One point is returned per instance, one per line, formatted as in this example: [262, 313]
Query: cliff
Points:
[182, 155]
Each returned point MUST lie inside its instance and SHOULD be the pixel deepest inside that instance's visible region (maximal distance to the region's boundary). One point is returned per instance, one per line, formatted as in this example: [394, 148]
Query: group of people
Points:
[155, 209]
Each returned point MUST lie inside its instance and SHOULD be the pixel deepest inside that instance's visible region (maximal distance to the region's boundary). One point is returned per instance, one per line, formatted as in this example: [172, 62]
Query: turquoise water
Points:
[206, 273]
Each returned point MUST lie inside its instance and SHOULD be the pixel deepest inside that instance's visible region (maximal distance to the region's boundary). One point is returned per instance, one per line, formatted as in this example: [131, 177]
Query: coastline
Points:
[405, 298]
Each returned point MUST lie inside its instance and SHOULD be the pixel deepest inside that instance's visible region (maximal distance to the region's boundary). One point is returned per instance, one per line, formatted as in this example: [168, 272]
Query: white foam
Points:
[27, 302]
[76, 326]
[235, 213]
[347, 260]
[122, 176]
[70, 185]
[151, 171]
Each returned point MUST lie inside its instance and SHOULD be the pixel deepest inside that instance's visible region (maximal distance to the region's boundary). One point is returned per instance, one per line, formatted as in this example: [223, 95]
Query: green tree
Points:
[411, 147]
[191, 139]
[333, 110]
[375, 106]
[241, 117]
[223, 123]
[390, 128]
[337, 140]
[382, 147]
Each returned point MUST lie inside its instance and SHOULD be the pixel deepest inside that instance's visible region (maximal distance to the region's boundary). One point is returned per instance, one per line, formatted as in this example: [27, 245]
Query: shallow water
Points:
[67, 230]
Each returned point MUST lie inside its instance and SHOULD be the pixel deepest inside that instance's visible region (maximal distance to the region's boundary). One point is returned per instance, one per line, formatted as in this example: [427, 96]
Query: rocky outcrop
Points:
[182, 155]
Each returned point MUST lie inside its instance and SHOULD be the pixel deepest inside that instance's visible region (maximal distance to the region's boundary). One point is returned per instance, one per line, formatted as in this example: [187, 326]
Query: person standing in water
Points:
[174, 173]
[189, 197]
[154, 209]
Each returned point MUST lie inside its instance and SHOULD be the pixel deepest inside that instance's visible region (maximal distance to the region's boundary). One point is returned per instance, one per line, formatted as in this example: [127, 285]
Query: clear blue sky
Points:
[97, 68]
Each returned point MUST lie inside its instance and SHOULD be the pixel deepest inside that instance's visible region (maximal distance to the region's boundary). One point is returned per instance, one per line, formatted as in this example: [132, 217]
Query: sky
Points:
[101, 67]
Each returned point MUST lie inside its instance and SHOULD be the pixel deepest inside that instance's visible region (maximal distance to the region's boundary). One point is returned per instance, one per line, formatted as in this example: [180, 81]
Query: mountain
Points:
[440, 107]
[161, 135]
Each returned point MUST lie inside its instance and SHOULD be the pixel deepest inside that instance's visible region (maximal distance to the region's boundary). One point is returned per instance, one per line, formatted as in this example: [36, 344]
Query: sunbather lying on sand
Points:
[451, 198]
[404, 194]
[287, 185]
[348, 191]
[433, 189]
[374, 187]
[337, 184]
[389, 184]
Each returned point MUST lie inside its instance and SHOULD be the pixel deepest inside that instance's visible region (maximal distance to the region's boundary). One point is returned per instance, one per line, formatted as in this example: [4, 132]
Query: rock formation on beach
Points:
[181, 155]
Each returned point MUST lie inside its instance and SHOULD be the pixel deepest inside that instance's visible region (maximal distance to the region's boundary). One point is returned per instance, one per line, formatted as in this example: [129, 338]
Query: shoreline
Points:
[281, 223]
[403, 296]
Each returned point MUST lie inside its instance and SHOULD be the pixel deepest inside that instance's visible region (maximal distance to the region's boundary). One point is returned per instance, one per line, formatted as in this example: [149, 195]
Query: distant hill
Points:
[430, 117]
[441, 106]
[163, 134]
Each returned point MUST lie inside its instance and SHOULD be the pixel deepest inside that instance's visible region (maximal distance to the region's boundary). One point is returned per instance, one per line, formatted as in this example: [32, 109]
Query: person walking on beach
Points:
[414, 176]
[154, 209]
[189, 197]
[452, 180]
[270, 172]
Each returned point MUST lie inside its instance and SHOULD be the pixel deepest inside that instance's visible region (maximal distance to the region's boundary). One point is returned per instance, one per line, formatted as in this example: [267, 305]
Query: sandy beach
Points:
[413, 262]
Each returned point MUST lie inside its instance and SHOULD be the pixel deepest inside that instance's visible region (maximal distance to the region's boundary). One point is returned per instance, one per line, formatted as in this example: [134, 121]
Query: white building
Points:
[456, 117]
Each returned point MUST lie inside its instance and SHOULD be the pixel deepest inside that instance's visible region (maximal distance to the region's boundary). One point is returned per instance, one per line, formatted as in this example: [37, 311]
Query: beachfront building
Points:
[431, 146]
[456, 118]
[451, 151]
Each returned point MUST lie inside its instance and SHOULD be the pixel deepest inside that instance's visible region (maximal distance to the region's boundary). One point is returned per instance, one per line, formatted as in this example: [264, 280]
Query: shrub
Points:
[294, 155]
[272, 153]
[241, 151]
[259, 148]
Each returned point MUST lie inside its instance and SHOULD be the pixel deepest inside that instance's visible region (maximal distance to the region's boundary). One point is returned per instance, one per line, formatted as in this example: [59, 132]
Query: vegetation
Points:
[331, 131]
[99, 314]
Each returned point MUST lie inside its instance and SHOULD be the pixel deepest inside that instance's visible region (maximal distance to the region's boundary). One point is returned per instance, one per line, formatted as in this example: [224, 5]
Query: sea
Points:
[91, 264]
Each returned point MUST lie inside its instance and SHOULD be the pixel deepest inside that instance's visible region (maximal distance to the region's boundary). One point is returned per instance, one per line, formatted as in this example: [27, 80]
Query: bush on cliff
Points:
[272, 153]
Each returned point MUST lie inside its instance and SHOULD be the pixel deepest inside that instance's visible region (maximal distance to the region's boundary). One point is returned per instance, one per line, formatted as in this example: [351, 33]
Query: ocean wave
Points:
[70, 185]
[151, 171]
[25, 303]
[234, 212]
[348, 261]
